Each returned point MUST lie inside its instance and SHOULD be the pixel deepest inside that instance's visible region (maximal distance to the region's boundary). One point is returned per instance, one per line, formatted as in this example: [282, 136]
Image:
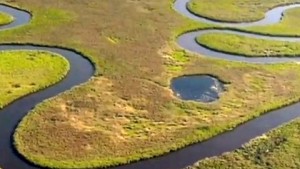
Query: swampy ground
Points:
[127, 111]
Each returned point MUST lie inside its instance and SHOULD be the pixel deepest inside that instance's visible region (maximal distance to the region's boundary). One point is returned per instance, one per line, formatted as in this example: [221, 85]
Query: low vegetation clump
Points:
[278, 149]
[235, 10]
[23, 72]
[5, 18]
[246, 46]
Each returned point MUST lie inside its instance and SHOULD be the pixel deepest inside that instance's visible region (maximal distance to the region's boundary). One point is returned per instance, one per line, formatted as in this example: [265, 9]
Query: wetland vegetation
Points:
[235, 10]
[286, 27]
[251, 47]
[276, 149]
[24, 72]
[5, 18]
[121, 114]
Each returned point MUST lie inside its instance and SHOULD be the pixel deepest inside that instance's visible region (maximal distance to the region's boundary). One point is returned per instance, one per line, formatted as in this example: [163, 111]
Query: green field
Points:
[235, 10]
[127, 111]
[276, 150]
[20, 70]
[251, 47]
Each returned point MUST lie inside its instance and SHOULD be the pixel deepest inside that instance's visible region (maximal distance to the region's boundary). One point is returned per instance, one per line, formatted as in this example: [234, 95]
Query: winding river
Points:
[81, 70]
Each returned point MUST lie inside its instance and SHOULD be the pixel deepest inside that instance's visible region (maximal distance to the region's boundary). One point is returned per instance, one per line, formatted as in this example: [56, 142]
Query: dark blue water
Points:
[202, 88]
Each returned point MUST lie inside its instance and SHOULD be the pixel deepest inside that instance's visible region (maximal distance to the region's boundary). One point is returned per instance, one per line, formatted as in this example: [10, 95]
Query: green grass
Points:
[234, 10]
[127, 115]
[5, 18]
[23, 72]
[138, 136]
[246, 10]
[288, 26]
[276, 150]
[251, 47]
[176, 61]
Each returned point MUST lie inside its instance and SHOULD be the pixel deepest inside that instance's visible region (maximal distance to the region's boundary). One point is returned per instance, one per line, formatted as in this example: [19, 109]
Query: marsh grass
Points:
[251, 47]
[5, 18]
[277, 149]
[287, 27]
[137, 134]
[120, 117]
[235, 10]
[23, 72]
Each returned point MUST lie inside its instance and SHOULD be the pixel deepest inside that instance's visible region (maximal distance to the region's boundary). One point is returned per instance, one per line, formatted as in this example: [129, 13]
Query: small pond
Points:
[201, 88]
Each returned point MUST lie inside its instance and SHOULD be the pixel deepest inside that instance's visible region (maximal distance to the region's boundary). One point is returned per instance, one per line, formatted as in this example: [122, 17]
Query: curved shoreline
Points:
[208, 88]
[243, 133]
[20, 16]
[219, 21]
[274, 15]
[81, 70]
[188, 42]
